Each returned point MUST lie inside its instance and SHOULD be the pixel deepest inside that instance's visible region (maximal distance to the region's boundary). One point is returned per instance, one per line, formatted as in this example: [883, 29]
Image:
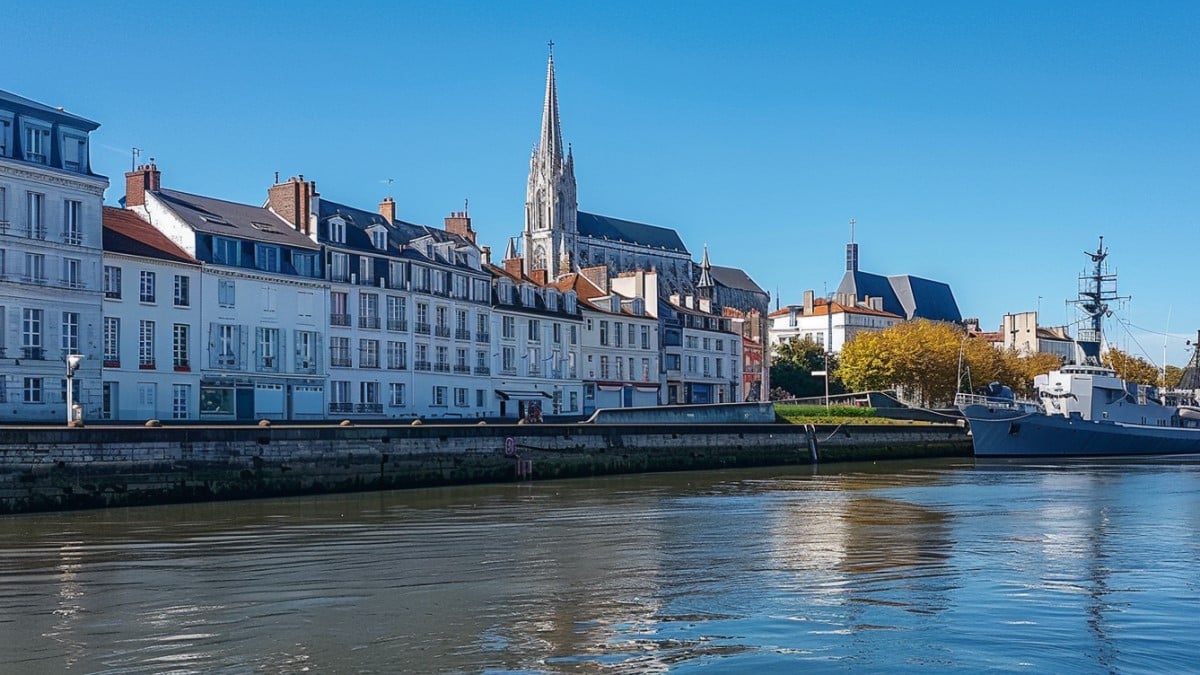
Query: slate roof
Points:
[732, 277]
[43, 110]
[400, 232]
[904, 294]
[605, 227]
[231, 219]
[125, 232]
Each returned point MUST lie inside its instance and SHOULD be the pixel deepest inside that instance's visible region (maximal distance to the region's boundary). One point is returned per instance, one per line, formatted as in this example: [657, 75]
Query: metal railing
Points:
[460, 334]
[441, 331]
[339, 319]
[397, 325]
[368, 322]
[422, 328]
[422, 365]
[483, 338]
[993, 402]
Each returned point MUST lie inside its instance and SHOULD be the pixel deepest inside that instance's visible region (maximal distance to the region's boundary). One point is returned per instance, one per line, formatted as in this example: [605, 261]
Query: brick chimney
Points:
[293, 201]
[597, 275]
[809, 298]
[137, 183]
[538, 276]
[515, 267]
[485, 253]
[458, 222]
[387, 209]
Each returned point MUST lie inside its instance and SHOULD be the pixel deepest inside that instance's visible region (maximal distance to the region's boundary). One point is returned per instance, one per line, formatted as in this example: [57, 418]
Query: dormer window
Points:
[504, 290]
[74, 152]
[527, 296]
[36, 137]
[6, 121]
[569, 300]
[639, 307]
[337, 231]
[379, 239]
[551, 300]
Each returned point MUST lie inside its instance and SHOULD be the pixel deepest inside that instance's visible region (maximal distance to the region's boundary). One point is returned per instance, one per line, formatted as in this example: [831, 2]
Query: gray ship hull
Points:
[1011, 433]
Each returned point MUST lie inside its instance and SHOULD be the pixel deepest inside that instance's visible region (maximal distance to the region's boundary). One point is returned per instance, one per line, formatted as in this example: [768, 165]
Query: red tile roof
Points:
[125, 232]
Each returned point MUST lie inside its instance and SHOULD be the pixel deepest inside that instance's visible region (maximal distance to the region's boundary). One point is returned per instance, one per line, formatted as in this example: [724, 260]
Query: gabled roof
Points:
[860, 285]
[604, 227]
[126, 233]
[904, 294]
[400, 232]
[732, 277]
[586, 292]
[821, 307]
[231, 219]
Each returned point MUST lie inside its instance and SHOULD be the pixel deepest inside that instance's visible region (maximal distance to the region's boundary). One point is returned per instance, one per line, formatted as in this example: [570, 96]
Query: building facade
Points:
[50, 261]
[827, 322]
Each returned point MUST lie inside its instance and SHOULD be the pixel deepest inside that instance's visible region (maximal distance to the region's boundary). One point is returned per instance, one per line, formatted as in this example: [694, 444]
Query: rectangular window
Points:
[604, 333]
[618, 336]
[481, 323]
[508, 360]
[267, 340]
[509, 327]
[339, 267]
[225, 293]
[305, 264]
[368, 395]
[70, 332]
[112, 282]
[397, 355]
[368, 310]
[460, 397]
[37, 144]
[226, 251]
[108, 400]
[396, 394]
[146, 344]
[337, 231]
[36, 218]
[112, 342]
[632, 336]
[339, 352]
[35, 268]
[71, 232]
[397, 313]
[146, 287]
[574, 334]
[368, 353]
[181, 397]
[306, 351]
[71, 275]
[366, 271]
[339, 391]
[266, 257]
[183, 291]
[556, 331]
[439, 396]
[535, 330]
[479, 397]
[31, 333]
[74, 153]
[179, 347]
[32, 390]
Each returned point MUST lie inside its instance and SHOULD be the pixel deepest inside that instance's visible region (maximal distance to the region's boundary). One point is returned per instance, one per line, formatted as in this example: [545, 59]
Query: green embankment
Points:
[819, 414]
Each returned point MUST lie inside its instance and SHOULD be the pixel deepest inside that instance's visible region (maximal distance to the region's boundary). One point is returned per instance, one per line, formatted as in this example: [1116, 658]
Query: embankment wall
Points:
[60, 468]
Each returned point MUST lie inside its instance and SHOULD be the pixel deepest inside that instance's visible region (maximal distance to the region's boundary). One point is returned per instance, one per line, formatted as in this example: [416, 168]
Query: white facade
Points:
[50, 261]
[813, 321]
[620, 349]
[150, 339]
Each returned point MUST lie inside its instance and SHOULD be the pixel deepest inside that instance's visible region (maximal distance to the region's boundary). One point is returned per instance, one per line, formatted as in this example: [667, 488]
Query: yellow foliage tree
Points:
[1131, 368]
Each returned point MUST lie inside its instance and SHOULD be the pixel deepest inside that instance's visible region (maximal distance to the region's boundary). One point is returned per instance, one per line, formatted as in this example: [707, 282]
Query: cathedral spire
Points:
[551, 146]
[511, 251]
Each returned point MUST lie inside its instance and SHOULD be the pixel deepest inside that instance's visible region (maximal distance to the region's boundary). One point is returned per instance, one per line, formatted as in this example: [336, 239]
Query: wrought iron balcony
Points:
[339, 319]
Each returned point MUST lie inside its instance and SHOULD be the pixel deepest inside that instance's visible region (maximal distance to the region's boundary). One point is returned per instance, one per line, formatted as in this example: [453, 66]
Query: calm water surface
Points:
[934, 566]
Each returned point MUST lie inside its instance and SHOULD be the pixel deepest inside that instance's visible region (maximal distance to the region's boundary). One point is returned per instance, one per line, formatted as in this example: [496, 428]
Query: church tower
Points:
[549, 241]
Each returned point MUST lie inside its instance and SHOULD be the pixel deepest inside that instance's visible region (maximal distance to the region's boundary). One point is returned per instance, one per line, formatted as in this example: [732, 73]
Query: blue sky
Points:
[985, 144]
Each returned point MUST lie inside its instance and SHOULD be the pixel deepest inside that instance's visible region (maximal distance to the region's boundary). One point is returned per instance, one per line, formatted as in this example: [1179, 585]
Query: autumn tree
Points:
[1131, 368]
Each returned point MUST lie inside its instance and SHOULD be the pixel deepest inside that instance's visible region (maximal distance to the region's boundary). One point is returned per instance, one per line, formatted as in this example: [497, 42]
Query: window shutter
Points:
[242, 336]
[280, 350]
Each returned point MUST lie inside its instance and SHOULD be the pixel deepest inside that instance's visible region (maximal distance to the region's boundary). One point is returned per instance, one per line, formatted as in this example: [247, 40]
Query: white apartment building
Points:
[263, 302]
[536, 338]
[619, 346]
[50, 260]
[150, 338]
[828, 323]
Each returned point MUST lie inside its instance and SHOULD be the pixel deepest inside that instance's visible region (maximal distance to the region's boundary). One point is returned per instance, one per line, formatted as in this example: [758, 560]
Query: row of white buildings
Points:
[187, 307]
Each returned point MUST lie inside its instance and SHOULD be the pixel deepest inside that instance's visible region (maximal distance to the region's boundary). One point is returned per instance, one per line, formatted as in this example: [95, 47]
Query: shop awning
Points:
[508, 394]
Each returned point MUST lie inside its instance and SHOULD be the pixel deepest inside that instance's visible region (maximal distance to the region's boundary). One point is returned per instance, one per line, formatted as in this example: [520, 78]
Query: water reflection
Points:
[918, 565]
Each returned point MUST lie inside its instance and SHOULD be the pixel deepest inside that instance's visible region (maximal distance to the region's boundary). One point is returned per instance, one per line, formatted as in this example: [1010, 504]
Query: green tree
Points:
[792, 364]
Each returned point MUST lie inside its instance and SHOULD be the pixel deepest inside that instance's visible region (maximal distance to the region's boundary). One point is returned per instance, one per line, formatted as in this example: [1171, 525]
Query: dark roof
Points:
[125, 233]
[925, 299]
[399, 232]
[909, 296]
[231, 219]
[732, 277]
[43, 110]
[604, 227]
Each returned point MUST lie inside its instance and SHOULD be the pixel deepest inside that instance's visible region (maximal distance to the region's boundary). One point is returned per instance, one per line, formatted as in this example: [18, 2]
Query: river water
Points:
[945, 566]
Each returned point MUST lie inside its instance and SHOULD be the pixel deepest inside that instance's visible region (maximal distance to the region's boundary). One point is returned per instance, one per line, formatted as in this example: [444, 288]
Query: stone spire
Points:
[706, 280]
[511, 251]
[551, 147]
[564, 256]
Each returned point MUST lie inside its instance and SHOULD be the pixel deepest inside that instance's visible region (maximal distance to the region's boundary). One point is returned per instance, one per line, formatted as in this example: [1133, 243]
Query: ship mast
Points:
[1096, 290]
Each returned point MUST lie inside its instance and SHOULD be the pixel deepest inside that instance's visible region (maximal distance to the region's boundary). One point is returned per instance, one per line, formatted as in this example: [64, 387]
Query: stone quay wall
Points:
[44, 468]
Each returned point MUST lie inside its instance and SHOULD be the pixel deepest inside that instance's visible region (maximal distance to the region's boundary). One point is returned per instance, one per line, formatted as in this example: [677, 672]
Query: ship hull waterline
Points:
[1010, 433]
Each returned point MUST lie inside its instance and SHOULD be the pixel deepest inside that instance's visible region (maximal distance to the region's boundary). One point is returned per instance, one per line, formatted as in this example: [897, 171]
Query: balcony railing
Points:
[369, 408]
[368, 360]
[441, 367]
[462, 369]
[33, 353]
[112, 295]
[307, 367]
[422, 328]
[483, 370]
[337, 407]
[397, 325]
[339, 319]
[441, 331]
[483, 337]
[37, 232]
[368, 322]
[535, 370]
[397, 364]
[339, 359]
[460, 334]
[422, 365]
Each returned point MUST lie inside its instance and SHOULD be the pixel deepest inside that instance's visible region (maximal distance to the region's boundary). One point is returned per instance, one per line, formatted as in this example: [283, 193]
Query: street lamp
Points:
[73, 361]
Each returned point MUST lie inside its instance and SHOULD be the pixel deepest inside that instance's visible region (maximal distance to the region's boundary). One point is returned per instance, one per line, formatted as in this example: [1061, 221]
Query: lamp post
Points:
[73, 361]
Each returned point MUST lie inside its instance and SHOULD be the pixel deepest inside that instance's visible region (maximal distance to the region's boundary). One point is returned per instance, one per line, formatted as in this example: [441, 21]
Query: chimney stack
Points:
[598, 275]
[485, 253]
[515, 267]
[458, 222]
[808, 303]
[293, 201]
[137, 183]
[387, 209]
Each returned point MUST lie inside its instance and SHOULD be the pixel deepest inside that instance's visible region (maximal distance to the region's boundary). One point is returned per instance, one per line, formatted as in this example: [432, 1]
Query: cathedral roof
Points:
[904, 294]
[605, 227]
[732, 277]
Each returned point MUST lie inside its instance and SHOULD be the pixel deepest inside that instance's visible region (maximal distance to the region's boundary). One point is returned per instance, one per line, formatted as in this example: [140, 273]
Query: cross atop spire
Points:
[550, 44]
